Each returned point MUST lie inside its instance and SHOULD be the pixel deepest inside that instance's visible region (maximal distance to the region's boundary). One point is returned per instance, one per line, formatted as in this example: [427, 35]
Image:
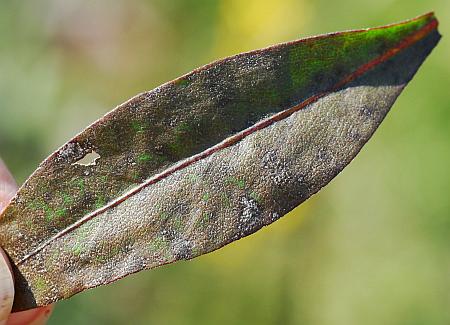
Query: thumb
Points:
[6, 288]
[8, 186]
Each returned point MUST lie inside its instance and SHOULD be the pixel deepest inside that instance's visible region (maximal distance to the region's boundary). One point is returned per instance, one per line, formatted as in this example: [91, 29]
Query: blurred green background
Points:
[371, 248]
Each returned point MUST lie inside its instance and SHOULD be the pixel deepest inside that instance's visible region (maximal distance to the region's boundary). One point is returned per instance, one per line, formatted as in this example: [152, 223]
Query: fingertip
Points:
[6, 288]
[8, 186]
[5, 175]
[38, 316]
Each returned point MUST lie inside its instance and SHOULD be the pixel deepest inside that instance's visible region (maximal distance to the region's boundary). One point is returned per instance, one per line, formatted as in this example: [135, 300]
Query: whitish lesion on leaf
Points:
[250, 215]
[90, 159]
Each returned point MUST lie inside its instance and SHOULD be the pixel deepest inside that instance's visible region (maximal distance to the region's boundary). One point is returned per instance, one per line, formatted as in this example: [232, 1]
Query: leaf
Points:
[206, 159]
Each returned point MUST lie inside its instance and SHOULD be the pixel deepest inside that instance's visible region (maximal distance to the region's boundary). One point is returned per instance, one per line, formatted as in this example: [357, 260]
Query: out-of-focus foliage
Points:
[371, 248]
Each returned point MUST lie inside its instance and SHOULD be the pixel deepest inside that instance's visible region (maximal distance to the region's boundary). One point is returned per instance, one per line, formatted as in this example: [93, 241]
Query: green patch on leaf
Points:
[40, 284]
[205, 197]
[255, 196]
[100, 201]
[239, 182]
[182, 82]
[139, 126]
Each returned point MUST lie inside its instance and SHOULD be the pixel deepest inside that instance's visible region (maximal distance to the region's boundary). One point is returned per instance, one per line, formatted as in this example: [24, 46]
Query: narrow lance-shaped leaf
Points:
[206, 159]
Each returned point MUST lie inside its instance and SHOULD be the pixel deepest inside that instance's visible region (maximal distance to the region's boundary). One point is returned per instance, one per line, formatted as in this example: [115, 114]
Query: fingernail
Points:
[6, 288]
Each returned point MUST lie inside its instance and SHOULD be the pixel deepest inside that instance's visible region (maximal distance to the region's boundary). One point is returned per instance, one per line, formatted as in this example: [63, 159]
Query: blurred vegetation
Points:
[371, 248]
